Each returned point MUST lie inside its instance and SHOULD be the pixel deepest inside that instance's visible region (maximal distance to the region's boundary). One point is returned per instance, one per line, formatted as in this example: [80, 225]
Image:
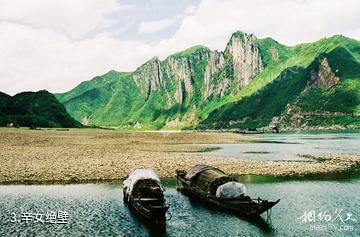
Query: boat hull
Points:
[246, 208]
[153, 213]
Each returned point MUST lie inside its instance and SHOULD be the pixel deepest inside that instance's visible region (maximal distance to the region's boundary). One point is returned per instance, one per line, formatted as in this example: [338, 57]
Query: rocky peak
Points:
[324, 77]
[231, 70]
[246, 58]
[149, 75]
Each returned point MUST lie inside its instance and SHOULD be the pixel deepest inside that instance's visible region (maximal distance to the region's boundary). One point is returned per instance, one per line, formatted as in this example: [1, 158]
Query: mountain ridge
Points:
[182, 90]
[34, 109]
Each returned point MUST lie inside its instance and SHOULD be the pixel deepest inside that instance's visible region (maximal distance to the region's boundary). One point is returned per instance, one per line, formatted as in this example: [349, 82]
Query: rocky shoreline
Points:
[334, 128]
[81, 156]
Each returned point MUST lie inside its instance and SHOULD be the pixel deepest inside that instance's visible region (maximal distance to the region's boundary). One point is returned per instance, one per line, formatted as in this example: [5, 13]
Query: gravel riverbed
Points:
[91, 155]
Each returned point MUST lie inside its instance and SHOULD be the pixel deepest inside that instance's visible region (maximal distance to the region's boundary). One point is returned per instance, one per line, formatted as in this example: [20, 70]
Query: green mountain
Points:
[34, 109]
[252, 83]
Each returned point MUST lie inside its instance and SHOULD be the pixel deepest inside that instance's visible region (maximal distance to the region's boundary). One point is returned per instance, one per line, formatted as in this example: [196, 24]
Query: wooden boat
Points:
[215, 187]
[144, 193]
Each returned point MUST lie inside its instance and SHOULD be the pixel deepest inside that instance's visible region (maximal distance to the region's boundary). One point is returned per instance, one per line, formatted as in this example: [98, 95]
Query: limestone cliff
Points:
[212, 86]
[225, 72]
[229, 71]
[180, 70]
[149, 76]
[245, 57]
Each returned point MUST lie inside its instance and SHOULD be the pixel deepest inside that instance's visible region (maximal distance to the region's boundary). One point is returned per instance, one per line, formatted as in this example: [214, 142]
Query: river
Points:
[289, 146]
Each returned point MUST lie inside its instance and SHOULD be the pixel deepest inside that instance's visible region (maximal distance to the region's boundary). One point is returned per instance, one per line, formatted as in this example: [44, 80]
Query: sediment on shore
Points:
[79, 156]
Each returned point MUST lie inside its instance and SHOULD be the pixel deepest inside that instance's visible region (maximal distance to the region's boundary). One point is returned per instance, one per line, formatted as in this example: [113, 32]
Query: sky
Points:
[56, 44]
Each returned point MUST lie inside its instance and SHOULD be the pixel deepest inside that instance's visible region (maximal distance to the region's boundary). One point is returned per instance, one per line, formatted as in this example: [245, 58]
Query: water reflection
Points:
[152, 229]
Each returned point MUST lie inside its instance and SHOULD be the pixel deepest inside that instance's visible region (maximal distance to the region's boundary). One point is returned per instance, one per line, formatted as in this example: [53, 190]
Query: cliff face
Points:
[180, 70]
[225, 72]
[149, 76]
[212, 87]
[245, 58]
[229, 71]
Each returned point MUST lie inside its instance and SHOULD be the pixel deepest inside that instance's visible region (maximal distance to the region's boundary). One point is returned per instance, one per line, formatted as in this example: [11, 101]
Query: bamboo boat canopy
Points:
[207, 178]
[197, 169]
[138, 175]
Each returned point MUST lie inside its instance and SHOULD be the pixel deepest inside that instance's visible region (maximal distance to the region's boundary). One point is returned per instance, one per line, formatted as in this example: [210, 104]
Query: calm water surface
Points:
[98, 210]
[288, 146]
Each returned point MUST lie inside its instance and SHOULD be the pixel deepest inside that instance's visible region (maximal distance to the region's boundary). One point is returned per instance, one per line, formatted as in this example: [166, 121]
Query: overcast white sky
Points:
[56, 44]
